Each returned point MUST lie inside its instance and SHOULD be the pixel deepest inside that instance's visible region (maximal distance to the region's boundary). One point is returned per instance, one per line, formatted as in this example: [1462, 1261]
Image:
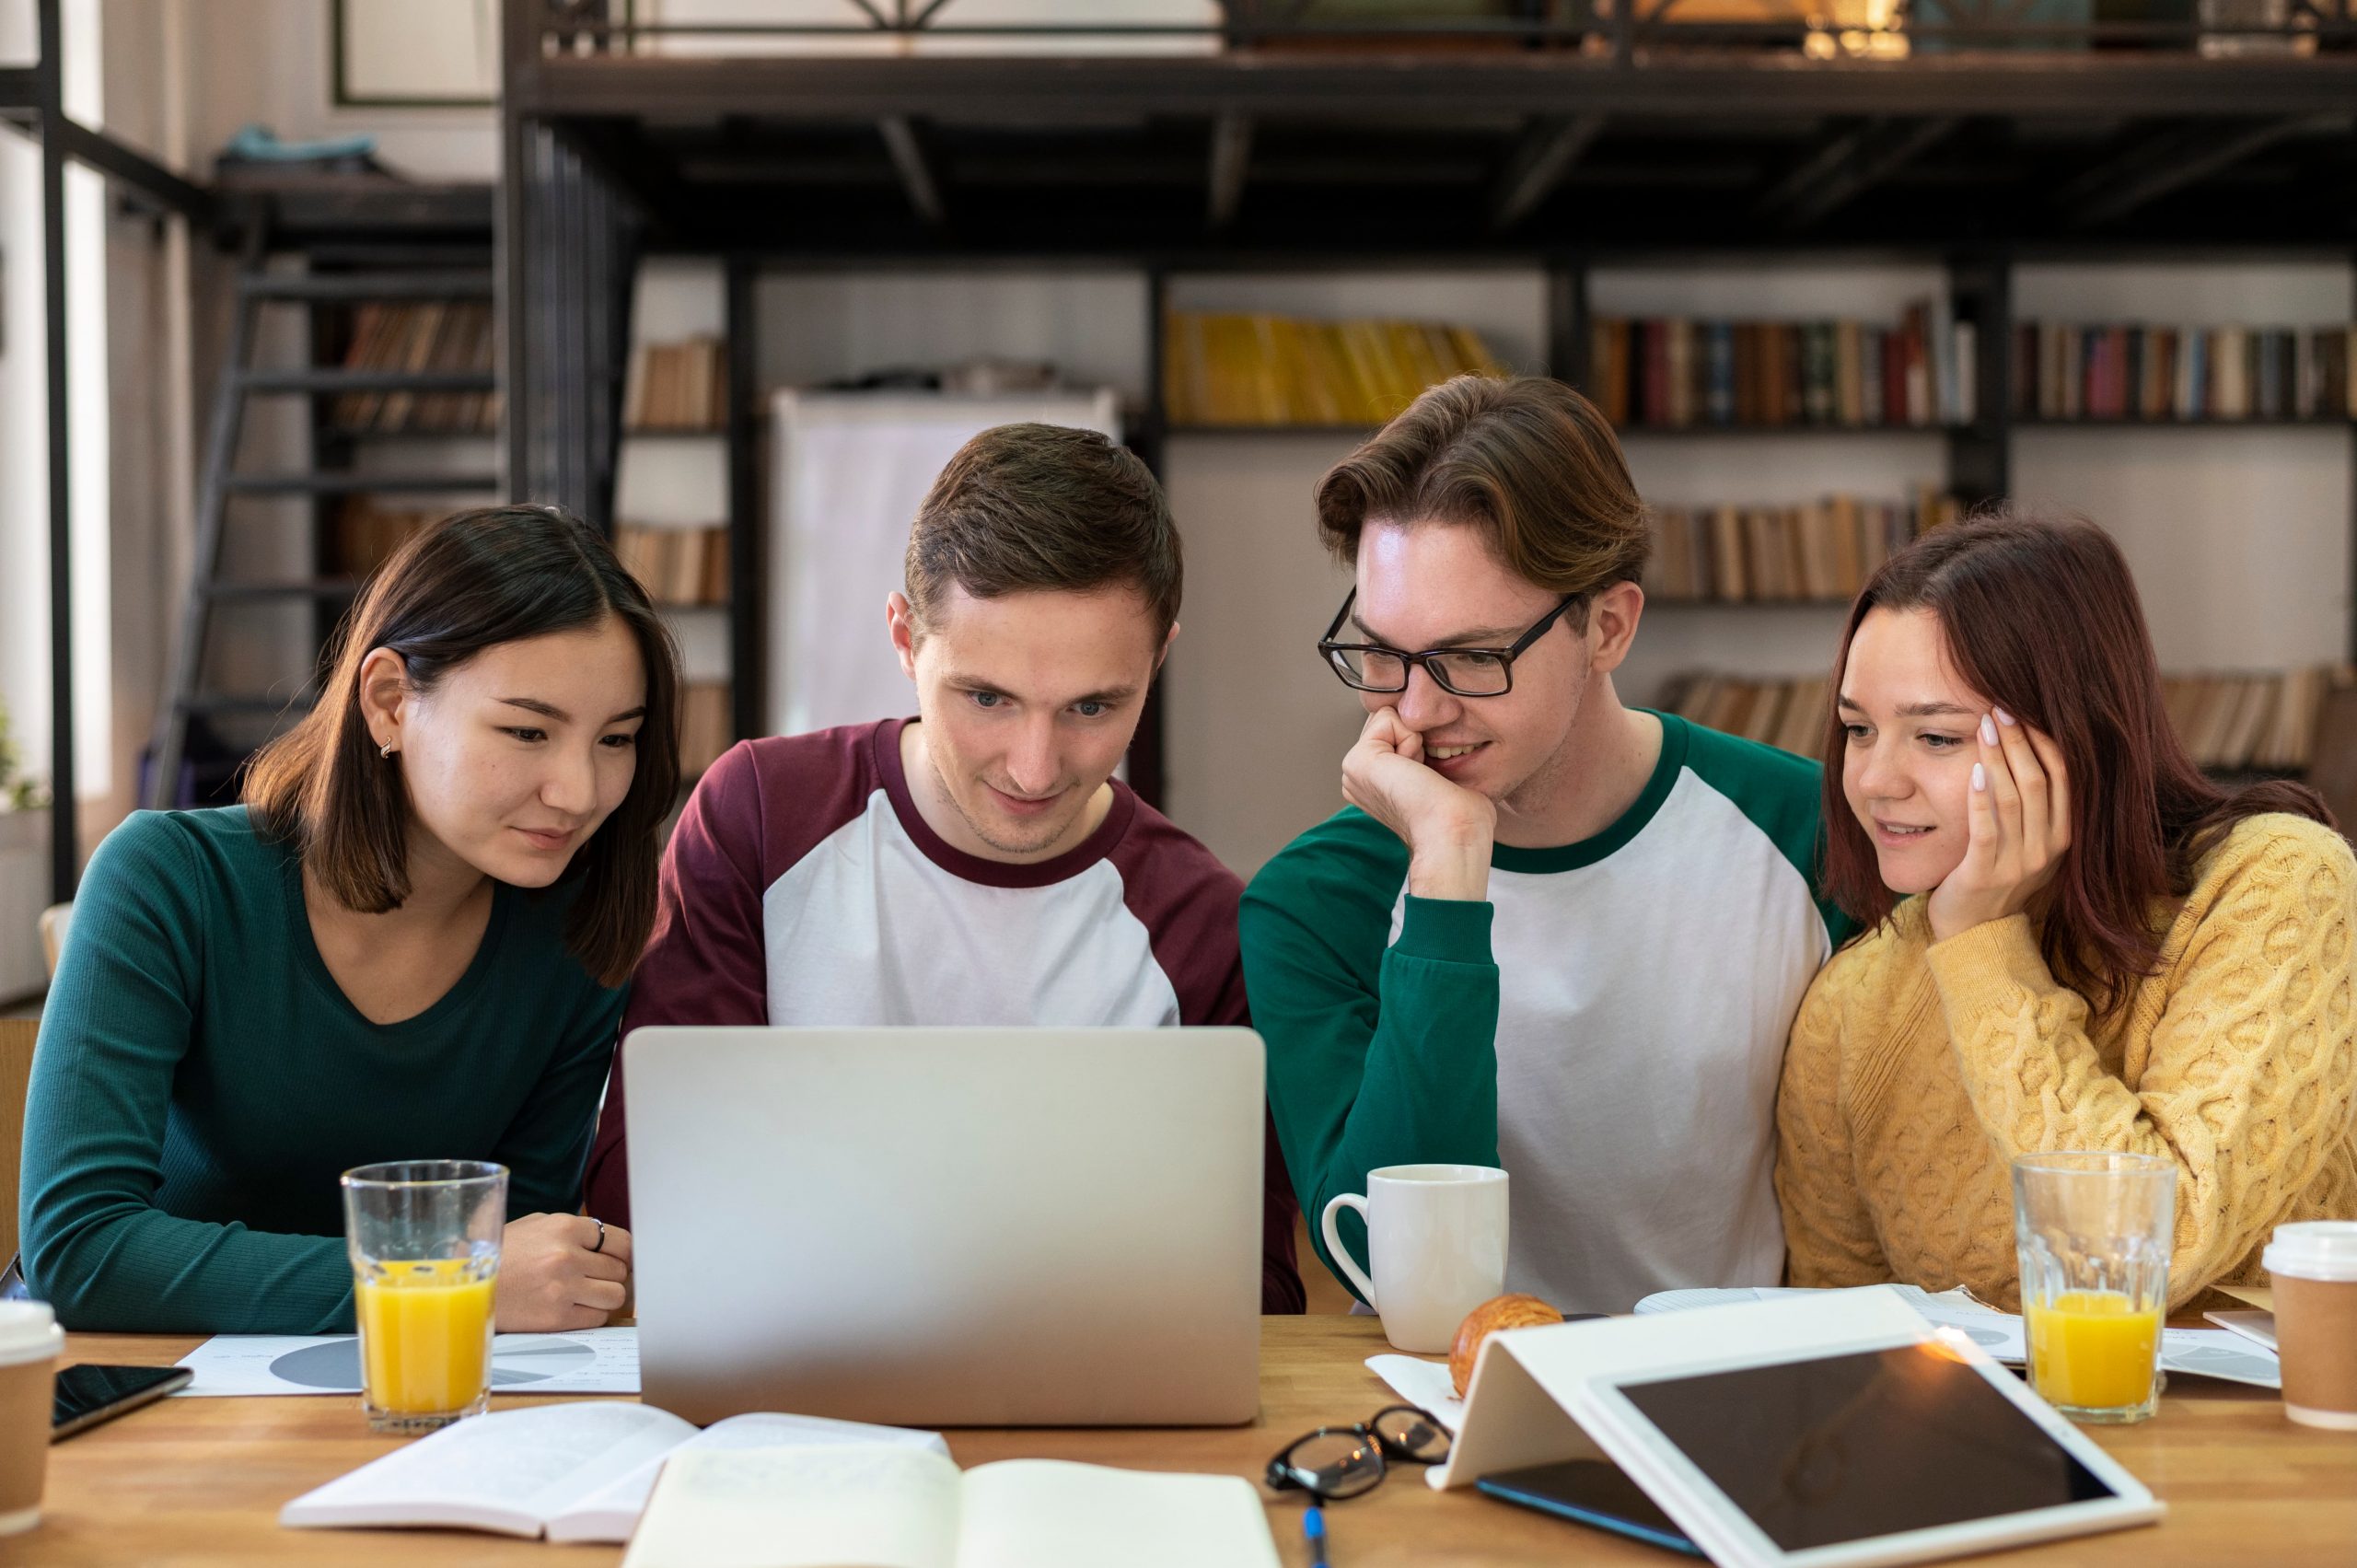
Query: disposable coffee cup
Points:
[29, 1342]
[2315, 1266]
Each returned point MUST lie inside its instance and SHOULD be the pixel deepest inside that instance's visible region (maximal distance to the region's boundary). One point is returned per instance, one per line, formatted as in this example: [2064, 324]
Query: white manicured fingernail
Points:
[1988, 731]
[2004, 717]
[1981, 775]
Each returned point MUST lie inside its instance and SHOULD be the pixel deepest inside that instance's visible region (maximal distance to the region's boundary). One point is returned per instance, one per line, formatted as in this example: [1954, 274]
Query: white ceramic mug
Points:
[1436, 1242]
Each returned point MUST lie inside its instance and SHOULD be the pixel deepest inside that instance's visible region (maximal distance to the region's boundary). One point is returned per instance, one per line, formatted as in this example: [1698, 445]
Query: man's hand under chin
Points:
[1447, 828]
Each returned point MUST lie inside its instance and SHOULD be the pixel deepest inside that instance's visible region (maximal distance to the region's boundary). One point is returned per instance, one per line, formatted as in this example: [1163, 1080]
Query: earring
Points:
[386, 750]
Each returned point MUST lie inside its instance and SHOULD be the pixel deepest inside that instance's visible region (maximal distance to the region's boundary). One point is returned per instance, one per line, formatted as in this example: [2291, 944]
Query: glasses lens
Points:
[1414, 1433]
[1336, 1464]
[1471, 675]
[1370, 671]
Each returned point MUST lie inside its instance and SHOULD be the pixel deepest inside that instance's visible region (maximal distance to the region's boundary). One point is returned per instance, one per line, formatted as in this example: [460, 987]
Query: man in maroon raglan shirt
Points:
[979, 863]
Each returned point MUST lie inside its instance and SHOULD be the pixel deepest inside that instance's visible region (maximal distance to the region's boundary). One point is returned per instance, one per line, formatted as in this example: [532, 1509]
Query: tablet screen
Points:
[1871, 1444]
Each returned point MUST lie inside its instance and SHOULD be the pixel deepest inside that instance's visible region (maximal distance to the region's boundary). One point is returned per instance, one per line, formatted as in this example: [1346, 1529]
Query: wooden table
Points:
[199, 1481]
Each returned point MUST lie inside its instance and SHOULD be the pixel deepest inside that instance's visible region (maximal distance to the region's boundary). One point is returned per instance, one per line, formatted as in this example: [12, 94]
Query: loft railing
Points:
[1630, 32]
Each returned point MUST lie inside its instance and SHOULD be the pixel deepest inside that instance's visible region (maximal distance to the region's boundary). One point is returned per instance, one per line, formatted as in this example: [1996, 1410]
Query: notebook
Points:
[901, 1507]
[570, 1471]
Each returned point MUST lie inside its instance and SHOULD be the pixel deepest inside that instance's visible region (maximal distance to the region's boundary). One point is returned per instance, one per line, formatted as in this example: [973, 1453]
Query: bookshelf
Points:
[686, 487]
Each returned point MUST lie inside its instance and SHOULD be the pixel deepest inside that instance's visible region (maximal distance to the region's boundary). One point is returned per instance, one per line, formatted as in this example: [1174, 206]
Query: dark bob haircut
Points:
[466, 584]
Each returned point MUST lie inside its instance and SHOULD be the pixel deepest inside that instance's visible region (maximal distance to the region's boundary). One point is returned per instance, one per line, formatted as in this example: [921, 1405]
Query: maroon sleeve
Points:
[756, 811]
[705, 962]
[1187, 901]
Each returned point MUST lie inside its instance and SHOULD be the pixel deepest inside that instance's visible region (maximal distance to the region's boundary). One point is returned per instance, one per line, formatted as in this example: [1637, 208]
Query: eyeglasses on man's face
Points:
[1461, 672]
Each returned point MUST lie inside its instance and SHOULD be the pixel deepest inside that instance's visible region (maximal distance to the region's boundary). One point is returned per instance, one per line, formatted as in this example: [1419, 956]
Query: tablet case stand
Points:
[1538, 1396]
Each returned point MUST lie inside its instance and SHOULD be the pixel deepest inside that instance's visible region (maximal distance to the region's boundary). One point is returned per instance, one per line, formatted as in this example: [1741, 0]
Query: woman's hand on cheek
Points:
[550, 1279]
[2019, 826]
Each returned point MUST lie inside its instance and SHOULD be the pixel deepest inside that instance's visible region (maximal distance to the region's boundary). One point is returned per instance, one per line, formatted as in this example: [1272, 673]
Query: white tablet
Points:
[1793, 1434]
[1875, 1455]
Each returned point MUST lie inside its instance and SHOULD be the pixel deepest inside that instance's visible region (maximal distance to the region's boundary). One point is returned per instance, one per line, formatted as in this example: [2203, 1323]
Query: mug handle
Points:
[1334, 1248]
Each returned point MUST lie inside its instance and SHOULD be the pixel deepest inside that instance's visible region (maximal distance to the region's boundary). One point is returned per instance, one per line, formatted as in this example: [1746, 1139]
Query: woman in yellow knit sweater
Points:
[2072, 939]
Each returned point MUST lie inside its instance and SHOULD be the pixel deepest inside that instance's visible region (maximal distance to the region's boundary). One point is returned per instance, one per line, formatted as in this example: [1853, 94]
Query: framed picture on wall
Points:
[416, 53]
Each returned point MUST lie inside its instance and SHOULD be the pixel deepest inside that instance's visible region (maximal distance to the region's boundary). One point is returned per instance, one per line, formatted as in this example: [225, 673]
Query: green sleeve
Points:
[1377, 1054]
[547, 1146]
[117, 1024]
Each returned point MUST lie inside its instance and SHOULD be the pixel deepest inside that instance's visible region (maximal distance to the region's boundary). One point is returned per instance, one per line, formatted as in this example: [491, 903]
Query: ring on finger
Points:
[599, 1245]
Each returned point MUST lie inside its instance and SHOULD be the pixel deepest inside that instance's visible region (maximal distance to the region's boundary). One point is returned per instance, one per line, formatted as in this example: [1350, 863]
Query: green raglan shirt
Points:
[201, 1082]
[1609, 1027]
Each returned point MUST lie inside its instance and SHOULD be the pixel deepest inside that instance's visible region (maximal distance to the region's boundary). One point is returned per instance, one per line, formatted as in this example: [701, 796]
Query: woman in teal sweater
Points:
[410, 942]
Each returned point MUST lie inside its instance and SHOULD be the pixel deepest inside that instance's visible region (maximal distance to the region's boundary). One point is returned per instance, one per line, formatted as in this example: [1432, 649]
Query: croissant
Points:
[1498, 1312]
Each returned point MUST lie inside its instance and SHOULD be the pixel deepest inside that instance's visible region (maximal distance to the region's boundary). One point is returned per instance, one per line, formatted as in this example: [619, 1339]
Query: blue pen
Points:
[1313, 1525]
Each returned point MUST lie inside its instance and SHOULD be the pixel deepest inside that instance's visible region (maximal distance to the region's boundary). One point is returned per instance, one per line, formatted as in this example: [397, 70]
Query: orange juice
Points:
[426, 1334]
[2093, 1349]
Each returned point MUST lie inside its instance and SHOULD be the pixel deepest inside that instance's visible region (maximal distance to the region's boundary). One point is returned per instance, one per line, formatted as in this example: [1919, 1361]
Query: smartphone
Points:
[87, 1395]
[1593, 1492]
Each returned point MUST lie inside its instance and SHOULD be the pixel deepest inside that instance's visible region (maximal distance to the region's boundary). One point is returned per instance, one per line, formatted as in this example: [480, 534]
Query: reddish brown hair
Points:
[466, 584]
[2040, 615]
[1525, 459]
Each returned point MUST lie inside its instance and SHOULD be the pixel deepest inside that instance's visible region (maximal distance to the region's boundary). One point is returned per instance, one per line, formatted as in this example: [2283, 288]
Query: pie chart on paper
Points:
[515, 1360]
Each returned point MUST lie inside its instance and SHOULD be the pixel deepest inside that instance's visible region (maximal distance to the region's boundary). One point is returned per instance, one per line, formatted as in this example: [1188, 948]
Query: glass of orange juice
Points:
[423, 1238]
[2093, 1230]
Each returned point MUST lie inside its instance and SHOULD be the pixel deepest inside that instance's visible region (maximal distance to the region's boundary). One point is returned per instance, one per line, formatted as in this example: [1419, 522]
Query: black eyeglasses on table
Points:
[1462, 672]
[1336, 1462]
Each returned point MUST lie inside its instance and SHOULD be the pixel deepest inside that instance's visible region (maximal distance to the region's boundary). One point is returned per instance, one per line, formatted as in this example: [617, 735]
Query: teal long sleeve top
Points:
[201, 1082]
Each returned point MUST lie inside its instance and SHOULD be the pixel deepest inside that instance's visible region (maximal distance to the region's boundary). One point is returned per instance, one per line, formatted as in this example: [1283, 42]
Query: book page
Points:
[861, 1506]
[613, 1509]
[1053, 1513]
[515, 1466]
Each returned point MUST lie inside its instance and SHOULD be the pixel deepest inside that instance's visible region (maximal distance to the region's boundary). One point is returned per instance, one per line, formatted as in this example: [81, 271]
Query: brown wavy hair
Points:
[471, 582]
[2040, 615]
[1525, 459]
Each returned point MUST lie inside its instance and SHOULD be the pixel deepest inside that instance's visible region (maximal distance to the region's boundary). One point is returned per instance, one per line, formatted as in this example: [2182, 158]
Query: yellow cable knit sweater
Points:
[1918, 1070]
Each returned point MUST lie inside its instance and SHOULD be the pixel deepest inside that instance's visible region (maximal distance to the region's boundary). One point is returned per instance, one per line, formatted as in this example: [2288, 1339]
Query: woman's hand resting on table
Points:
[549, 1279]
[2018, 826]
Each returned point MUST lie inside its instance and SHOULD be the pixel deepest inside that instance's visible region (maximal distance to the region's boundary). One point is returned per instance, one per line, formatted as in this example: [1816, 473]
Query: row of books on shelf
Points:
[434, 335]
[1263, 369]
[2259, 721]
[678, 565]
[2182, 373]
[706, 728]
[2263, 721]
[1674, 372]
[677, 387]
[1819, 549]
[367, 534]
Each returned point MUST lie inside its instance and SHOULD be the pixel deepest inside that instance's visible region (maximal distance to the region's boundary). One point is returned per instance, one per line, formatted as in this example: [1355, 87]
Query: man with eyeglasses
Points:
[1551, 932]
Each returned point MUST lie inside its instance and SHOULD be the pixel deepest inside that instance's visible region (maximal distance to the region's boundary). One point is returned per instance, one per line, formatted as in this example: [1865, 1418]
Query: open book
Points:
[572, 1471]
[900, 1507]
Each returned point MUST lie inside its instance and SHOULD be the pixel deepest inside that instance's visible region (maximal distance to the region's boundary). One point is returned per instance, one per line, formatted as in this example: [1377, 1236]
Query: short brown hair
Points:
[469, 583]
[1030, 506]
[1525, 459]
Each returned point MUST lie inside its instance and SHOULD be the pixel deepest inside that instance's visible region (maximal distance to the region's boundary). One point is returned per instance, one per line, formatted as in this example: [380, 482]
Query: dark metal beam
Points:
[19, 90]
[150, 182]
[2174, 159]
[906, 145]
[1845, 166]
[2057, 84]
[1231, 160]
[65, 824]
[1550, 144]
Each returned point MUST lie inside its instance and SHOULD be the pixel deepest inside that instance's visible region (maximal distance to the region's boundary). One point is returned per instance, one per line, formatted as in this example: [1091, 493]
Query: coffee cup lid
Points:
[29, 1329]
[2313, 1249]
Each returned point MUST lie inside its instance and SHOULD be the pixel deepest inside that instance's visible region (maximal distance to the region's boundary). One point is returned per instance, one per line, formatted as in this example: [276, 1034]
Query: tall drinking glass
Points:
[423, 1236]
[2093, 1232]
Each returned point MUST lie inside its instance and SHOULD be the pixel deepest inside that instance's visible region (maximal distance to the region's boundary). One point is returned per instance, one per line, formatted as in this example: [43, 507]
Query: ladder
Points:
[335, 275]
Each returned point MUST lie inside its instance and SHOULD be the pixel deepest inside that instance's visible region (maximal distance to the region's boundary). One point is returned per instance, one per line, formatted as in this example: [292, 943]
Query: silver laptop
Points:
[947, 1226]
